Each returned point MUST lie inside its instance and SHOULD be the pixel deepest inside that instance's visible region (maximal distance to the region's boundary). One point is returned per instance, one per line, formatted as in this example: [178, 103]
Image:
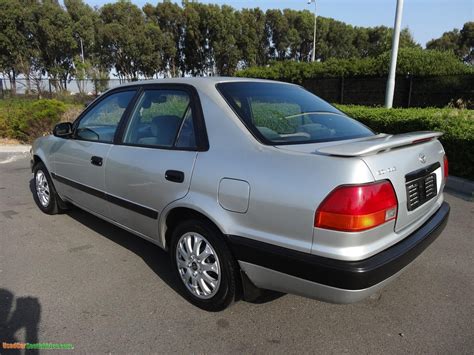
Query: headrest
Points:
[165, 125]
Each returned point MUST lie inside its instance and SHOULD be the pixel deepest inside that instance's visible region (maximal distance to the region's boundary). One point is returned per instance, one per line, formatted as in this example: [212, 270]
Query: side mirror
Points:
[63, 130]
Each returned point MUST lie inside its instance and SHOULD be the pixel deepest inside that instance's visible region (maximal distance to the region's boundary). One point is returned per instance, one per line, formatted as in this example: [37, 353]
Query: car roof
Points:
[197, 81]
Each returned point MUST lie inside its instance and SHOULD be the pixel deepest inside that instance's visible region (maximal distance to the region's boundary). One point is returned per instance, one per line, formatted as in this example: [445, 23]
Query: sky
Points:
[426, 19]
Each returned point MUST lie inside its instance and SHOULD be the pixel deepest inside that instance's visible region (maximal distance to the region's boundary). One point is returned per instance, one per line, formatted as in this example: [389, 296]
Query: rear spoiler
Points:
[378, 143]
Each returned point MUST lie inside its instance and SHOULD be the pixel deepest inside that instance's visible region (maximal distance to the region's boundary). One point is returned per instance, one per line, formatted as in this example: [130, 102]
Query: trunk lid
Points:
[412, 162]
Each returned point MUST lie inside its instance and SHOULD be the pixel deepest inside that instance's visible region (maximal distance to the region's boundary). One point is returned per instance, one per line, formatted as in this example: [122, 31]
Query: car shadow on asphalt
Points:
[15, 314]
[155, 257]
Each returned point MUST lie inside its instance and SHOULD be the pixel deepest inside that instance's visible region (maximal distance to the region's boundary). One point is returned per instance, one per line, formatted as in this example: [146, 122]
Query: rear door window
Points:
[162, 118]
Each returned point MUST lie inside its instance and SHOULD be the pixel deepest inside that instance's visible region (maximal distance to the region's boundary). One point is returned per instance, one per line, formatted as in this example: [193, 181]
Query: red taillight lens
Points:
[446, 167]
[354, 208]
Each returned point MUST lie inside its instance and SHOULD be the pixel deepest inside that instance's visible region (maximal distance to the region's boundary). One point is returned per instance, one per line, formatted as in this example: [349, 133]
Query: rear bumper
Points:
[272, 267]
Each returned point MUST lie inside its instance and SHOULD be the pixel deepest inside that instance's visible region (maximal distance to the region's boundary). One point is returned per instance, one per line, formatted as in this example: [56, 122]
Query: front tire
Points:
[45, 194]
[205, 268]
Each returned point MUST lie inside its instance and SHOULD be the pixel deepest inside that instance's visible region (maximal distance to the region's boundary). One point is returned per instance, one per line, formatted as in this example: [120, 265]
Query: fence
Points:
[410, 91]
[49, 88]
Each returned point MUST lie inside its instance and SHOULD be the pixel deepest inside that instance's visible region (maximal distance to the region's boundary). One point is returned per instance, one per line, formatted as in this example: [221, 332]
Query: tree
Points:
[467, 42]
[277, 29]
[461, 43]
[449, 41]
[195, 40]
[54, 34]
[380, 40]
[17, 45]
[85, 23]
[300, 34]
[252, 40]
[169, 17]
[337, 40]
[42, 37]
[223, 29]
[130, 44]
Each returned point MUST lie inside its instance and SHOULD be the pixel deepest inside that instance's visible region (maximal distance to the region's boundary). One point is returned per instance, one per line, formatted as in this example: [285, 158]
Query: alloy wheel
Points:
[198, 265]
[42, 188]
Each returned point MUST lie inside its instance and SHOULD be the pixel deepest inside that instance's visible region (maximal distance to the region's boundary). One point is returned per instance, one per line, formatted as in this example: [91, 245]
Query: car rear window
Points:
[278, 113]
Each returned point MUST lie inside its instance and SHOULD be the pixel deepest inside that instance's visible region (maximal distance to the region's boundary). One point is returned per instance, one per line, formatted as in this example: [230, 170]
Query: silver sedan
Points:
[250, 185]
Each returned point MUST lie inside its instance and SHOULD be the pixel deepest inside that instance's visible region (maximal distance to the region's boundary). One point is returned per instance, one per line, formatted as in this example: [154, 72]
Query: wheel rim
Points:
[42, 188]
[198, 265]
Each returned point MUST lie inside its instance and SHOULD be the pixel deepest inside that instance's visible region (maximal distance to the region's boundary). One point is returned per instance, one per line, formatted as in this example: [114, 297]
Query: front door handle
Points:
[174, 176]
[96, 161]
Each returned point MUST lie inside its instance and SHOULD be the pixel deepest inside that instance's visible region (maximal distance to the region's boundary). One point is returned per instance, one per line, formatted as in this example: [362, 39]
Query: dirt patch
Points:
[9, 141]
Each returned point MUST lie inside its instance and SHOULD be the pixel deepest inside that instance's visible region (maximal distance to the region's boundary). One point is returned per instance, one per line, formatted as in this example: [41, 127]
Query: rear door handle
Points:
[96, 161]
[174, 176]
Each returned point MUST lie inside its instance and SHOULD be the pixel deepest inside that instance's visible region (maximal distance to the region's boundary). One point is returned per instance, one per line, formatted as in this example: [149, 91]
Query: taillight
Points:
[354, 208]
[446, 167]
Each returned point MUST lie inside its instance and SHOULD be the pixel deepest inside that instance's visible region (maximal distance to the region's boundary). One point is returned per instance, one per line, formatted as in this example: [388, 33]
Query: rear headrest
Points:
[165, 128]
[146, 102]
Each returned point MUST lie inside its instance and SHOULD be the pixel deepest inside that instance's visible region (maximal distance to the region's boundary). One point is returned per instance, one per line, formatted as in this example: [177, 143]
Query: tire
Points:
[208, 277]
[45, 194]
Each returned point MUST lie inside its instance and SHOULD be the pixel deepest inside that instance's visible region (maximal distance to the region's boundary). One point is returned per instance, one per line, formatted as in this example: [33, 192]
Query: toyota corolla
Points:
[249, 185]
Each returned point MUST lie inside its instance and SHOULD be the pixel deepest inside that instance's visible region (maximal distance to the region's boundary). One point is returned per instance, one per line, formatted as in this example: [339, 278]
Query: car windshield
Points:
[278, 113]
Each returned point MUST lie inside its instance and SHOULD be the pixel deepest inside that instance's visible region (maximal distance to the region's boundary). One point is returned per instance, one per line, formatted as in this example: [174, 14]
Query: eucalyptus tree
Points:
[170, 19]
[195, 40]
[18, 47]
[252, 40]
[277, 28]
[85, 28]
[223, 31]
[55, 38]
[130, 44]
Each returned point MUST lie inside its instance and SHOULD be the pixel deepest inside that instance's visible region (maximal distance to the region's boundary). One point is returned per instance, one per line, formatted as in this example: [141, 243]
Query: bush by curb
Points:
[26, 119]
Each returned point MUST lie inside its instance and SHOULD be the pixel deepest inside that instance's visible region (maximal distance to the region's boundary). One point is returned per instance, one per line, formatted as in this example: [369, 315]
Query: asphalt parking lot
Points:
[73, 278]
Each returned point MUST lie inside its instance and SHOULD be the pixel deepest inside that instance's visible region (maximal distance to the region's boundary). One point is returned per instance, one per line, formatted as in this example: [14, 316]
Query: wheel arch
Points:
[36, 160]
[176, 214]
[39, 156]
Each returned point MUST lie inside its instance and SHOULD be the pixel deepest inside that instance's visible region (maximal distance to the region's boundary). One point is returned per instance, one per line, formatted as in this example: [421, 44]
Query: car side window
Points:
[162, 118]
[100, 123]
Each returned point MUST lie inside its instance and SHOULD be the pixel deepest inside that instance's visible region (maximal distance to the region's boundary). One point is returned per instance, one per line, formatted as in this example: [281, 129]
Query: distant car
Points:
[250, 185]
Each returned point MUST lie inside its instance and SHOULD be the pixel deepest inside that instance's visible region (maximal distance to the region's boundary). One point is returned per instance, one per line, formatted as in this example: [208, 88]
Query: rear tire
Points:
[203, 264]
[45, 194]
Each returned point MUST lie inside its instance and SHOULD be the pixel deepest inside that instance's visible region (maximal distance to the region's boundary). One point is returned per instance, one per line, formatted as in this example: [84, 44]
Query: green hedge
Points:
[26, 120]
[412, 61]
[457, 126]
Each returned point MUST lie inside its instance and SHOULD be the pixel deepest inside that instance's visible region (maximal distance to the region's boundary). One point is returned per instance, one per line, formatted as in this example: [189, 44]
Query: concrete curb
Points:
[14, 148]
[460, 185]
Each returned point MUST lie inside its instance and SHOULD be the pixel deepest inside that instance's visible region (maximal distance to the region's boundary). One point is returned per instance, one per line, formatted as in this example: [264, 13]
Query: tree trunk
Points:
[12, 78]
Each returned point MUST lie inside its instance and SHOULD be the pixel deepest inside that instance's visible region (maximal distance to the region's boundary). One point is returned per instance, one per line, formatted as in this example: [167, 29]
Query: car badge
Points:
[422, 158]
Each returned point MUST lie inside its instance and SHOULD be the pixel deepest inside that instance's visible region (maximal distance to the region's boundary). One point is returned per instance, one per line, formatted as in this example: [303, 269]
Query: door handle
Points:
[174, 176]
[96, 161]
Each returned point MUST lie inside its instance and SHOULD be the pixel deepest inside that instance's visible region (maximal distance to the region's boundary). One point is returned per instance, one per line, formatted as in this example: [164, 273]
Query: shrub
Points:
[457, 126]
[26, 120]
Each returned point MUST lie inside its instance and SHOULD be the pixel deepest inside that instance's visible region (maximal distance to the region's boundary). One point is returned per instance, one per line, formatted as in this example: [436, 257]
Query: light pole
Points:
[393, 60]
[313, 54]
